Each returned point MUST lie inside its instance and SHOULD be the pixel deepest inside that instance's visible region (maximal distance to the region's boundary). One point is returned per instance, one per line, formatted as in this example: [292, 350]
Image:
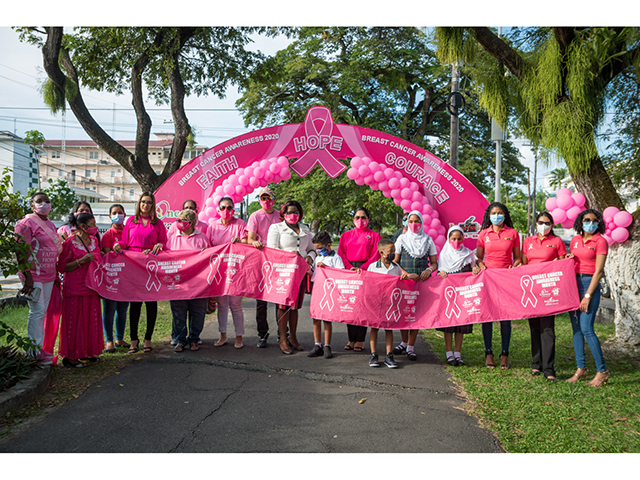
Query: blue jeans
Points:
[582, 324]
[196, 309]
[109, 309]
[505, 334]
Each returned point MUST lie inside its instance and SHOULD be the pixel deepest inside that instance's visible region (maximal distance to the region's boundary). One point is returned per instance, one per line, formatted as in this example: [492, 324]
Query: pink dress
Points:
[81, 326]
[138, 237]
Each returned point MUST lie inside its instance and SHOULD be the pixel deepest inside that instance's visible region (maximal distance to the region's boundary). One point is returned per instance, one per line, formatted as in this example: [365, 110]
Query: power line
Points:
[167, 109]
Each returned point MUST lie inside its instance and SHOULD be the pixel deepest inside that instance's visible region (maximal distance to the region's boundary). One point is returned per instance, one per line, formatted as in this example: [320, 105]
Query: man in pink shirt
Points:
[257, 229]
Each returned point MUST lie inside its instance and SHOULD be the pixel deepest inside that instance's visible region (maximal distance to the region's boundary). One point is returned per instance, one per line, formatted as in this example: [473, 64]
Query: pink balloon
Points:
[397, 201]
[254, 182]
[432, 232]
[578, 199]
[608, 238]
[232, 180]
[608, 220]
[384, 186]
[285, 173]
[283, 162]
[405, 193]
[394, 183]
[258, 172]
[573, 212]
[239, 171]
[208, 202]
[564, 202]
[374, 167]
[268, 176]
[414, 186]
[243, 180]
[274, 168]
[379, 176]
[405, 182]
[366, 160]
[623, 219]
[620, 234]
[435, 223]
[368, 179]
[386, 192]
[435, 214]
[374, 185]
[416, 196]
[406, 205]
[356, 162]
[612, 225]
[210, 211]
[426, 218]
[610, 212]
[264, 164]
[416, 206]
[249, 171]
[559, 215]
[360, 181]
[440, 240]
[216, 200]
[396, 193]
[229, 189]
[352, 173]
[551, 204]
[389, 173]
[364, 170]
[563, 191]
[567, 224]
[428, 208]
[202, 216]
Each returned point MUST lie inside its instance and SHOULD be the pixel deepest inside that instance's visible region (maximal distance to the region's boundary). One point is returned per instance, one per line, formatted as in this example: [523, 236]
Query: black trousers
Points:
[356, 333]
[135, 308]
[543, 344]
[261, 317]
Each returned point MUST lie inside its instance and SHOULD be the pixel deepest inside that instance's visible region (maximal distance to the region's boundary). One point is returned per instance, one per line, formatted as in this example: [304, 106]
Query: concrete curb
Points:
[25, 391]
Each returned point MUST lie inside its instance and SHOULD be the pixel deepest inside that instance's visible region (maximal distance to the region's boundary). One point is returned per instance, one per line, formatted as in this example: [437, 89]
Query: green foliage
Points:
[33, 137]
[558, 176]
[14, 366]
[61, 195]
[254, 207]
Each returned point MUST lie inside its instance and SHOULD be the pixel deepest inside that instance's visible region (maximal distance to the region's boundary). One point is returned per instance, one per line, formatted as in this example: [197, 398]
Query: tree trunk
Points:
[315, 225]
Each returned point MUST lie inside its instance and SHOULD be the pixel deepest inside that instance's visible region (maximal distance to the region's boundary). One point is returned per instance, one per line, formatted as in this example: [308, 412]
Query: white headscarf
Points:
[452, 260]
[416, 244]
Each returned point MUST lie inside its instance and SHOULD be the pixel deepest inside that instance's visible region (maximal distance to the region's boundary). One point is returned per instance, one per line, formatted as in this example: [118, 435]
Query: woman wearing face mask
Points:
[81, 324]
[68, 229]
[358, 248]
[589, 249]
[291, 235]
[498, 247]
[416, 254]
[543, 247]
[40, 234]
[111, 308]
[224, 230]
[455, 258]
[188, 205]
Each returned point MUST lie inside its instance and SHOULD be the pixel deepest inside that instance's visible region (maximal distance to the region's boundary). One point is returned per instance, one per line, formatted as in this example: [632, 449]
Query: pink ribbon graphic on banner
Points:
[317, 141]
[98, 274]
[214, 267]
[153, 281]
[327, 299]
[450, 296]
[526, 283]
[267, 268]
[394, 309]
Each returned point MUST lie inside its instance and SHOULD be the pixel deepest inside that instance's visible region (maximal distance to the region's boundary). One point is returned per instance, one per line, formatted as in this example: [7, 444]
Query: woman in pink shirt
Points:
[358, 248]
[544, 246]
[143, 233]
[498, 247]
[81, 324]
[189, 205]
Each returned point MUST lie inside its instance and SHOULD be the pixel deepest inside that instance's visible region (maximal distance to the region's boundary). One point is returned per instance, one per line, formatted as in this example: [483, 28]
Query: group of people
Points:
[410, 254]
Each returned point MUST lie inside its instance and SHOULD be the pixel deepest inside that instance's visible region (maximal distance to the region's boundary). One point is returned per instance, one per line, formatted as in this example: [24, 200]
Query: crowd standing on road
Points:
[410, 254]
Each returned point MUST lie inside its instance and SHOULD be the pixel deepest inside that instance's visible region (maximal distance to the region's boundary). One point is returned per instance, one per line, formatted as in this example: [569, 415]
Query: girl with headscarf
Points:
[416, 254]
[455, 258]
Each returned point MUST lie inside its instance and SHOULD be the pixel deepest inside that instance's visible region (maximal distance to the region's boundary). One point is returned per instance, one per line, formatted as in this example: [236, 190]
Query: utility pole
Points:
[497, 135]
[453, 146]
[528, 201]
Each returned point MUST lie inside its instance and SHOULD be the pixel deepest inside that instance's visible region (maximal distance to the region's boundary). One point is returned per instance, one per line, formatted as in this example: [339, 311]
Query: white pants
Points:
[37, 312]
[233, 303]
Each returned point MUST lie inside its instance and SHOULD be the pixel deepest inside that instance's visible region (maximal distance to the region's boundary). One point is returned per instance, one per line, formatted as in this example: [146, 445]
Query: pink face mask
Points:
[292, 218]
[91, 230]
[42, 208]
[182, 225]
[361, 223]
[415, 227]
[226, 214]
[456, 244]
[267, 204]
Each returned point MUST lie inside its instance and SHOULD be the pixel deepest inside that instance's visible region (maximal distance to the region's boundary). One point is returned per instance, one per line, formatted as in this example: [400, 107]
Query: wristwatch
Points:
[587, 295]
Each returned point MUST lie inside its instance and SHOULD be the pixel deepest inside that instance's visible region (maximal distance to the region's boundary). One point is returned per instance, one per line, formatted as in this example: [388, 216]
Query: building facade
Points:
[21, 159]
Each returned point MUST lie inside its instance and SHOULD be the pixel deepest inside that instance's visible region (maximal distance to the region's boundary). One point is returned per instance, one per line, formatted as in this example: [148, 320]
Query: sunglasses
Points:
[361, 218]
[229, 208]
[589, 220]
[544, 223]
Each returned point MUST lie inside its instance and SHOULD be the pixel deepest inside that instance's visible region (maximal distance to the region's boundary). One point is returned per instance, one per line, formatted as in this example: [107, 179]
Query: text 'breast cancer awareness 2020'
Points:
[394, 309]
[327, 298]
[267, 268]
[450, 296]
[214, 269]
[318, 139]
[526, 283]
[153, 281]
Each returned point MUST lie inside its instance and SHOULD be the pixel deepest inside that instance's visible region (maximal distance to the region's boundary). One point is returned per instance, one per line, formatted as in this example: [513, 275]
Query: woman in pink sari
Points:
[81, 326]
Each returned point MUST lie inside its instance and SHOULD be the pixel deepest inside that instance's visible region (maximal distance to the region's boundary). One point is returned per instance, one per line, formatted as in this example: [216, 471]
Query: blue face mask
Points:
[590, 227]
[117, 218]
[496, 219]
[324, 251]
[405, 222]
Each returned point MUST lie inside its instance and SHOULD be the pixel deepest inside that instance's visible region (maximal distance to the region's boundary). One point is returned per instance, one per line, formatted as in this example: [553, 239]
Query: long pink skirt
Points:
[81, 327]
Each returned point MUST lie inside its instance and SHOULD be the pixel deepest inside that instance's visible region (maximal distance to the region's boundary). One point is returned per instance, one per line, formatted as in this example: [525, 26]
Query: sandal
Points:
[147, 349]
[489, 363]
[179, 348]
[348, 347]
[194, 347]
[505, 365]
[358, 349]
[132, 348]
[122, 344]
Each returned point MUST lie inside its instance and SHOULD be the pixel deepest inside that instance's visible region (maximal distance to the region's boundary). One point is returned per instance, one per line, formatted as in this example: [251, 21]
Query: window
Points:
[93, 155]
[94, 170]
[112, 193]
[73, 176]
[117, 188]
[113, 175]
[60, 172]
[94, 188]
[55, 154]
[87, 173]
[119, 170]
[52, 170]
[131, 194]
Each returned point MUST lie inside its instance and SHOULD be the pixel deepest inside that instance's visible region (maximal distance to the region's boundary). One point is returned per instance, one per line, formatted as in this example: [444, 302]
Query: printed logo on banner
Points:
[153, 281]
[214, 267]
[450, 295]
[267, 269]
[328, 287]
[394, 309]
[526, 283]
[98, 274]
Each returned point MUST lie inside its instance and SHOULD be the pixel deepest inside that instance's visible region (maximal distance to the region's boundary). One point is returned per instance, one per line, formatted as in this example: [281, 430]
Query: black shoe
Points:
[399, 349]
[373, 360]
[552, 379]
[327, 352]
[316, 352]
[411, 355]
[389, 362]
[535, 372]
[262, 343]
[452, 361]
[460, 362]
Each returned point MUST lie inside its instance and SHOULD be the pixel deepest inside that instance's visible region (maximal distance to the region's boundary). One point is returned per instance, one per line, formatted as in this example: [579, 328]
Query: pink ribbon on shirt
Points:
[153, 281]
[98, 274]
[267, 268]
[394, 309]
[321, 137]
[214, 269]
[526, 283]
[450, 296]
[327, 299]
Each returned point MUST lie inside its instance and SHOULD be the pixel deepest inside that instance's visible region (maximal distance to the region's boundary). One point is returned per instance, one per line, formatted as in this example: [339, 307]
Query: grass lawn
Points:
[530, 415]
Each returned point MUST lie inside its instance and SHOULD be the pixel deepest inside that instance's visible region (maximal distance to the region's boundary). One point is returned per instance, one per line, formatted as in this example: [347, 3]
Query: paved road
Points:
[261, 401]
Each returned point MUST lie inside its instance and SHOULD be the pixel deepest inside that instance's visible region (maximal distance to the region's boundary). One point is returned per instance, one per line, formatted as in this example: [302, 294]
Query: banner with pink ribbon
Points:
[384, 301]
[230, 269]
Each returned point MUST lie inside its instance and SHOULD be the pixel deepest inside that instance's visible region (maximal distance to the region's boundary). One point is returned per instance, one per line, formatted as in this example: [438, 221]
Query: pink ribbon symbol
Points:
[267, 268]
[317, 141]
[98, 274]
[153, 281]
[327, 299]
[526, 283]
[214, 267]
[450, 296]
[394, 309]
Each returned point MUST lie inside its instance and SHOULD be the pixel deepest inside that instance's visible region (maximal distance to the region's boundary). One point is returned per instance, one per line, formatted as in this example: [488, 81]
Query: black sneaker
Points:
[327, 351]
[373, 360]
[316, 352]
[452, 361]
[399, 349]
[389, 362]
[262, 343]
[411, 355]
[460, 362]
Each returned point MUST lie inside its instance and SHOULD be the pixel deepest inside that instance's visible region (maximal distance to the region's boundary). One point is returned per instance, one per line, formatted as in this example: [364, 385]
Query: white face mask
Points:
[544, 229]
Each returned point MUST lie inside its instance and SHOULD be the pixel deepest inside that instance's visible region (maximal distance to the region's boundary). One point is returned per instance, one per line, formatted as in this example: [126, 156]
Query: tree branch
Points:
[500, 50]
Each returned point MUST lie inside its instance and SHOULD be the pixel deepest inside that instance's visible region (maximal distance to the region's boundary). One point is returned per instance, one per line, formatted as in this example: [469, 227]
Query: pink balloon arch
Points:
[413, 177]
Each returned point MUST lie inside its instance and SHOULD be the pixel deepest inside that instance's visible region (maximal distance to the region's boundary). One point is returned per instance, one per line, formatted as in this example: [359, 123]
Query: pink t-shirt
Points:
[260, 221]
[498, 246]
[545, 250]
[585, 253]
[44, 253]
[111, 236]
[137, 237]
[196, 241]
[74, 282]
[218, 234]
[359, 246]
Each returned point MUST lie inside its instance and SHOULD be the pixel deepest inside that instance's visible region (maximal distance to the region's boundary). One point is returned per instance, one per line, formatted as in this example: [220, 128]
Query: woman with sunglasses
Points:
[589, 249]
[228, 229]
[358, 248]
[544, 246]
[200, 225]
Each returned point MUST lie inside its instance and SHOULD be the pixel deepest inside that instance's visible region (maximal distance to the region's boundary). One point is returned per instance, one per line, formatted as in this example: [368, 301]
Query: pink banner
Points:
[230, 269]
[385, 301]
